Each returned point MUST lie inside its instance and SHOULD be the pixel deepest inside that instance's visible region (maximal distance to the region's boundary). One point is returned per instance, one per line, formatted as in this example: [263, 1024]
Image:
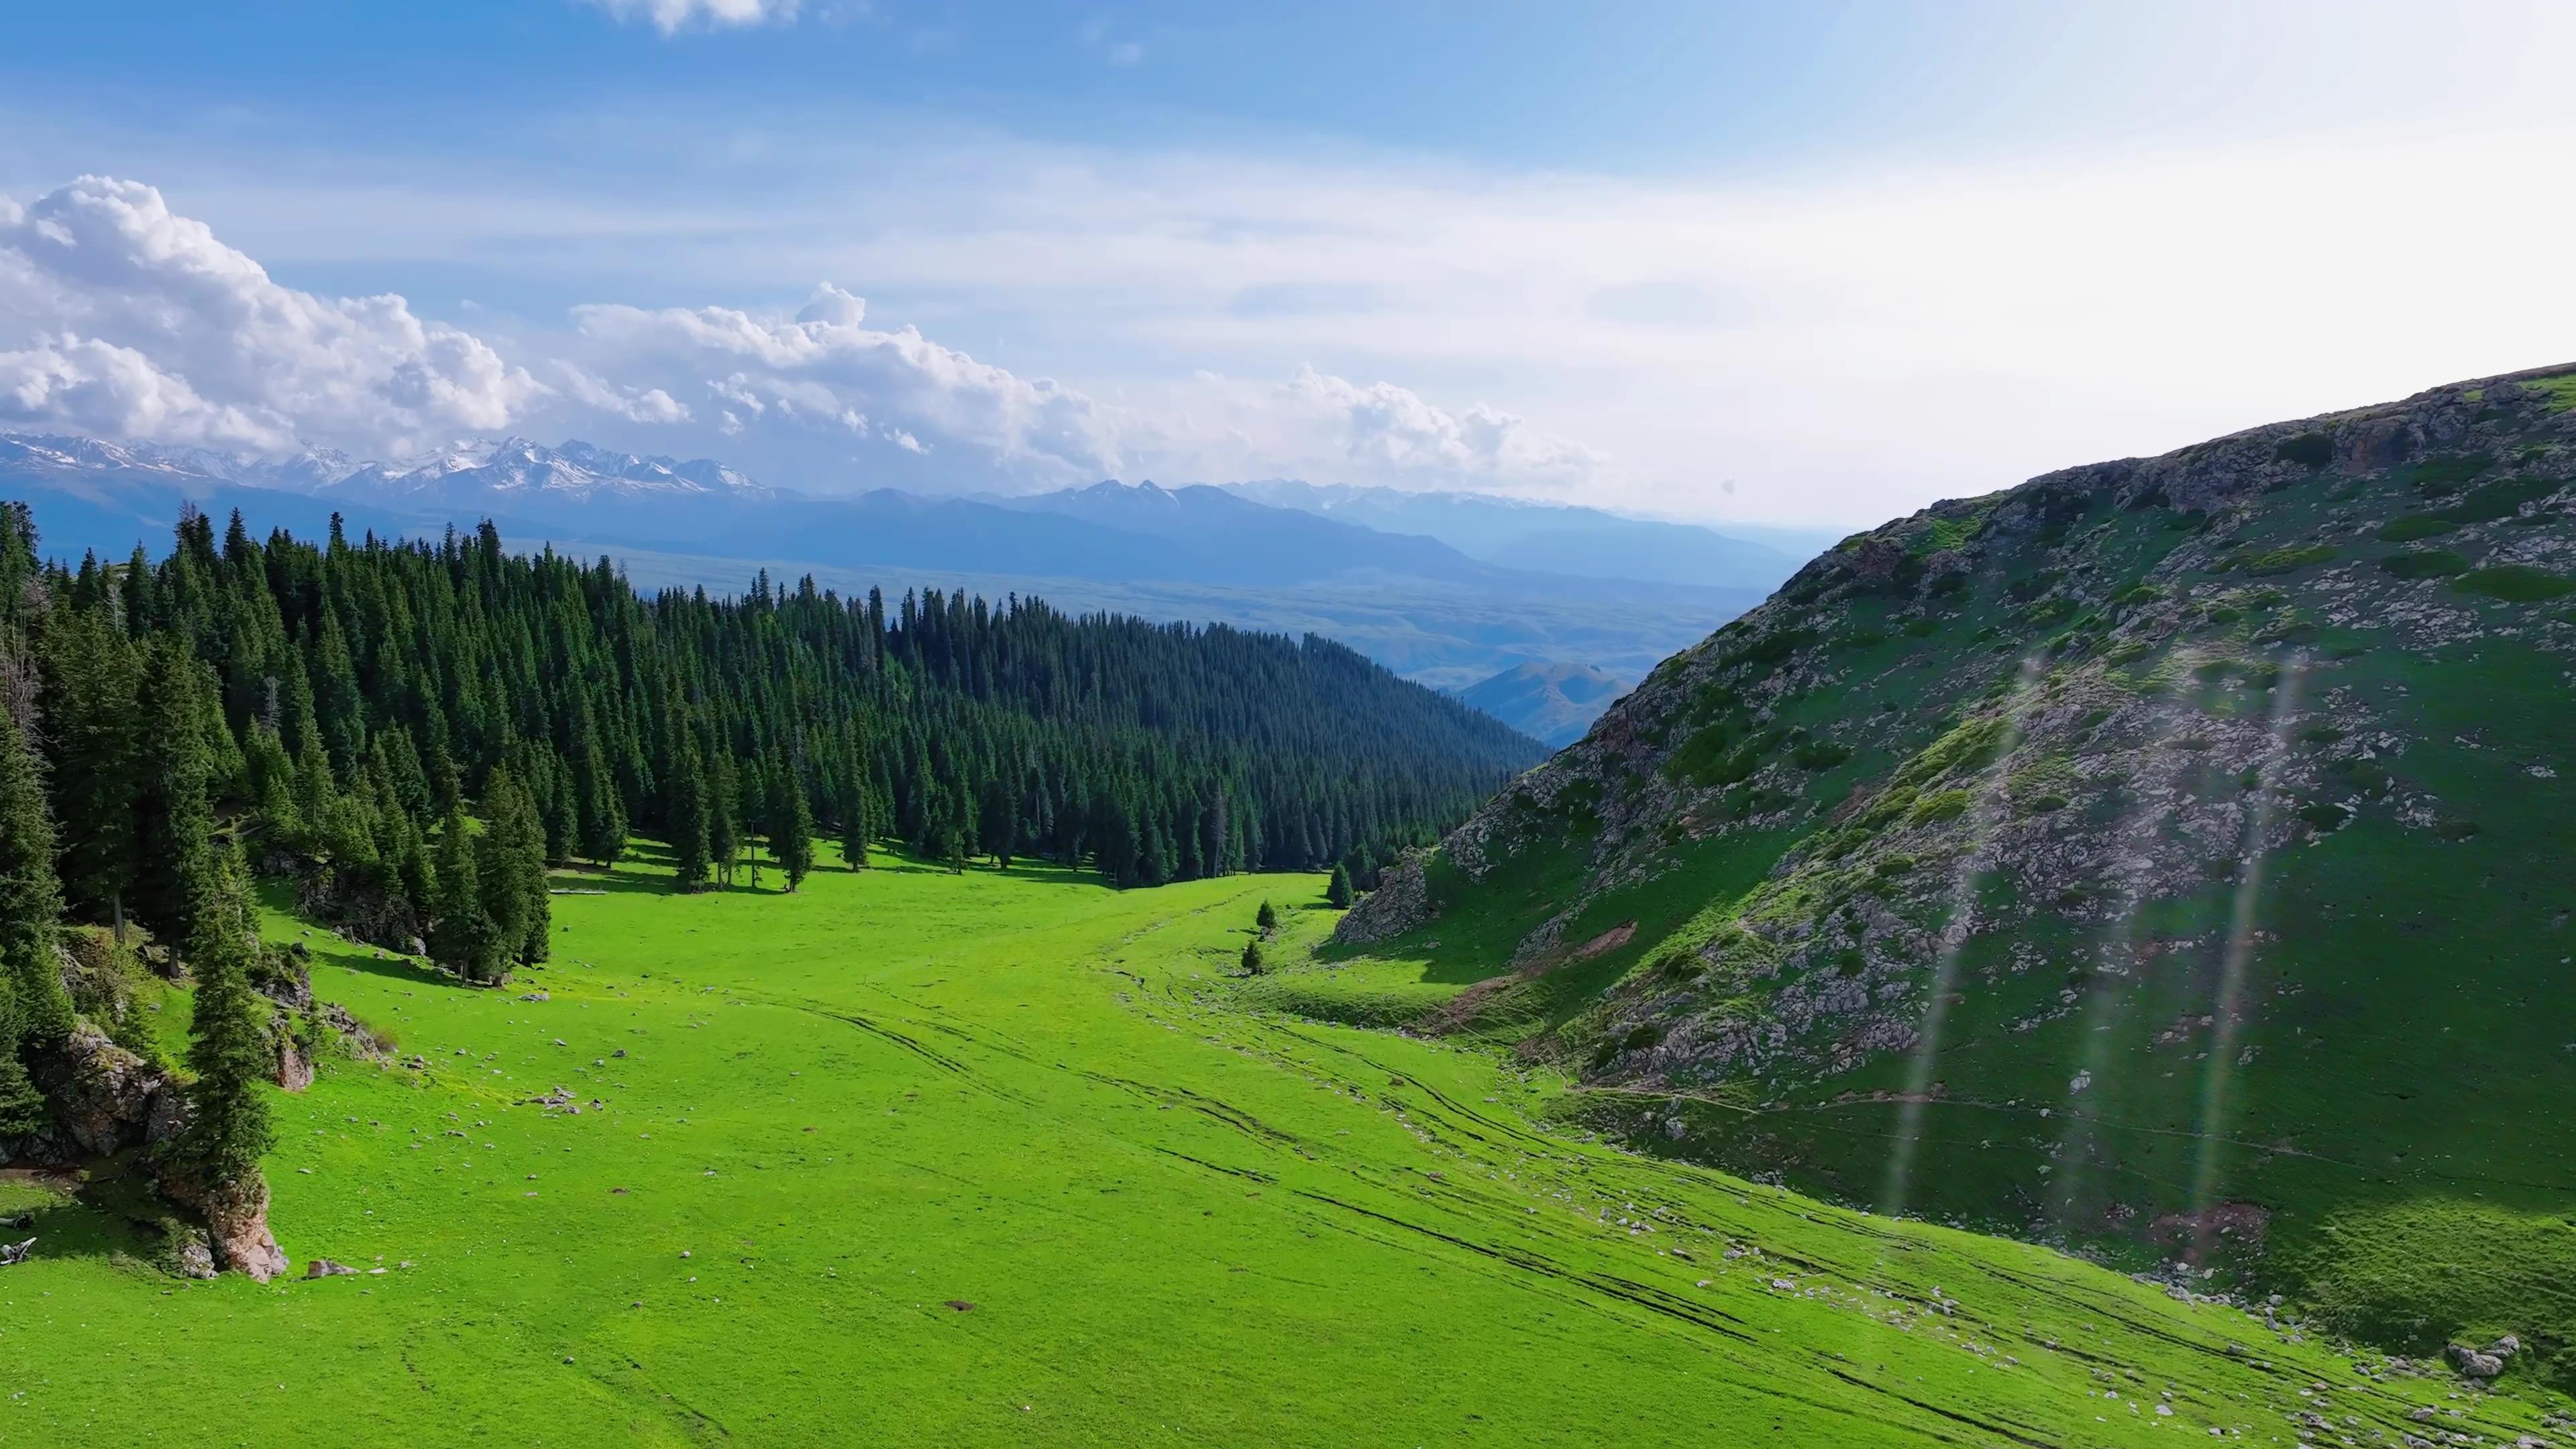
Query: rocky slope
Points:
[2170, 855]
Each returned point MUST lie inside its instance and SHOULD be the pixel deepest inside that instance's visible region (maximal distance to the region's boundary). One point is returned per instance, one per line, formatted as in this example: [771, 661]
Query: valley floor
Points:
[913, 1158]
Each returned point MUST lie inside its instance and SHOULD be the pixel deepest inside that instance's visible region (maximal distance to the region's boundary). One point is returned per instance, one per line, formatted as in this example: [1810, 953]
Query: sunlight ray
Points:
[2115, 954]
[2229, 1003]
[1954, 937]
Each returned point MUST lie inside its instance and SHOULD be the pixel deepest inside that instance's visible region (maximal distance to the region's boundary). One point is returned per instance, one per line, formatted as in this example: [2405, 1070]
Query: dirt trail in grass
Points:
[1178, 1222]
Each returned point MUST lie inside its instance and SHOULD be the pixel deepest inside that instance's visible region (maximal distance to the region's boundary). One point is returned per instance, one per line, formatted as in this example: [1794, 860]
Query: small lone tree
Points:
[1337, 891]
[1267, 918]
[1252, 962]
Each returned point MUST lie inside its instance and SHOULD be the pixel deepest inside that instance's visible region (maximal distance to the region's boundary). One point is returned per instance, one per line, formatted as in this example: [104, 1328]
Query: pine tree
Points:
[93, 678]
[684, 804]
[960, 832]
[1267, 918]
[792, 828]
[228, 1047]
[34, 1010]
[1337, 892]
[462, 935]
[173, 818]
[510, 866]
[757, 800]
[724, 834]
[601, 813]
[855, 811]
[1252, 960]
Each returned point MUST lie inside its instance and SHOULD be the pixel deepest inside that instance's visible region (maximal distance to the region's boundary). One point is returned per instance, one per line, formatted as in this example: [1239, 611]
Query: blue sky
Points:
[1774, 263]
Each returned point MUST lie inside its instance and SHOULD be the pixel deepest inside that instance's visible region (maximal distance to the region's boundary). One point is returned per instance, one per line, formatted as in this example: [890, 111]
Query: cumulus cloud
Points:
[636, 405]
[1384, 428]
[123, 319]
[84, 385]
[826, 369]
[120, 319]
[672, 16]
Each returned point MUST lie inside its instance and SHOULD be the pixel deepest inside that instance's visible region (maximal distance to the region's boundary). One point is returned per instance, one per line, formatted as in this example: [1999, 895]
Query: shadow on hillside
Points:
[106, 1210]
[326, 949]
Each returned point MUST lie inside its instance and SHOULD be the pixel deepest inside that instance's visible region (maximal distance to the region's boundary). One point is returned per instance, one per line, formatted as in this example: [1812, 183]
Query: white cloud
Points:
[1390, 428]
[672, 16]
[125, 319]
[83, 385]
[826, 369]
[636, 405]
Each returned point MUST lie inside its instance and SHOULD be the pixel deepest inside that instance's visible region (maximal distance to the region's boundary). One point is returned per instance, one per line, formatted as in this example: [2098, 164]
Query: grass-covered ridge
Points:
[2173, 856]
[910, 1157]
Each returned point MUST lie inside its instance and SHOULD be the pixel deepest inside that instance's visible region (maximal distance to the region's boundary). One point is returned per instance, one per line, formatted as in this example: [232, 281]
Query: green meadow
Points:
[1013, 1158]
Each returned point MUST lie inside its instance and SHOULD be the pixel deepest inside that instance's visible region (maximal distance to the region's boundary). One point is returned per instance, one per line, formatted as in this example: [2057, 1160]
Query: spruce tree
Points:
[724, 833]
[601, 812]
[229, 1048]
[174, 821]
[462, 935]
[791, 837]
[34, 1010]
[1267, 918]
[854, 825]
[756, 802]
[93, 680]
[1337, 892]
[510, 871]
[684, 803]
[1252, 960]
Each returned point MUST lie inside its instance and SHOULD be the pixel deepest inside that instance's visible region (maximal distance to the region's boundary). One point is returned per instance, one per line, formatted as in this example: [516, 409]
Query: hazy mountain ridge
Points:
[1199, 553]
[1550, 537]
[1551, 701]
[2167, 854]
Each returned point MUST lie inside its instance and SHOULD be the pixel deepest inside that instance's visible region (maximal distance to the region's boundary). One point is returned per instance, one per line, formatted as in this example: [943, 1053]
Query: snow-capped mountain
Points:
[464, 474]
[494, 471]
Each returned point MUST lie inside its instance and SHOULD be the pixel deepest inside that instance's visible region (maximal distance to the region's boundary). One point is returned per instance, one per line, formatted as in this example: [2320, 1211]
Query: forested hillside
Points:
[350, 697]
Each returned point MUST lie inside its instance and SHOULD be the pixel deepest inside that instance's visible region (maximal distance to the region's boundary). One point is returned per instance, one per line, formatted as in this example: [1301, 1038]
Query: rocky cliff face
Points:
[1957, 864]
[109, 1102]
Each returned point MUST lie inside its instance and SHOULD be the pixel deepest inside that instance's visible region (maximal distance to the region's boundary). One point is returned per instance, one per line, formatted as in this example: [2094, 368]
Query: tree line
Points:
[422, 727]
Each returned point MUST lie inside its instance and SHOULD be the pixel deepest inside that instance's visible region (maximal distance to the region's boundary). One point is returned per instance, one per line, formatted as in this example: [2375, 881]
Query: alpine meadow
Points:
[792, 723]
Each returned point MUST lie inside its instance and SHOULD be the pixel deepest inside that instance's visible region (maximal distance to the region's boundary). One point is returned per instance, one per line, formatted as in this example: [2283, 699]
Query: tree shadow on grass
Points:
[106, 1210]
[324, 948]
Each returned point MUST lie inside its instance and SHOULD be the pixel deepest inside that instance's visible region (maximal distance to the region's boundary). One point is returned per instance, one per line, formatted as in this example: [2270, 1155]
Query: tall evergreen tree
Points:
[31, 901]
[463, 936]
[174, 818]
[93, 682]
[724, 831]
[791, 837]
[684, 802]
[510, 867]
[229, 1047]
[856, 814]
[1337, 891]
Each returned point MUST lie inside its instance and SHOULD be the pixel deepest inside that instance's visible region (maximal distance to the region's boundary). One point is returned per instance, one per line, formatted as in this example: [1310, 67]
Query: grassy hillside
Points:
[923, 1159]
[2174, 856]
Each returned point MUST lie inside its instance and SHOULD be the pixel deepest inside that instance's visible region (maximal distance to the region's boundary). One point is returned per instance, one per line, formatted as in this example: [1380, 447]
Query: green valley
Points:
[1013, 1157]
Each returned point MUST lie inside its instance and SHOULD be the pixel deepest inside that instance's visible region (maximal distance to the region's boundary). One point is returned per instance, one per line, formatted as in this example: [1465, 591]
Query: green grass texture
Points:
[912, 1158]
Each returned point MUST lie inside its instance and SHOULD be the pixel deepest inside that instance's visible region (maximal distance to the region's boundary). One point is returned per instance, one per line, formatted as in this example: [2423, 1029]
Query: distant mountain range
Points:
[1448, 589]
[1557, 538]
[1553, 703]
